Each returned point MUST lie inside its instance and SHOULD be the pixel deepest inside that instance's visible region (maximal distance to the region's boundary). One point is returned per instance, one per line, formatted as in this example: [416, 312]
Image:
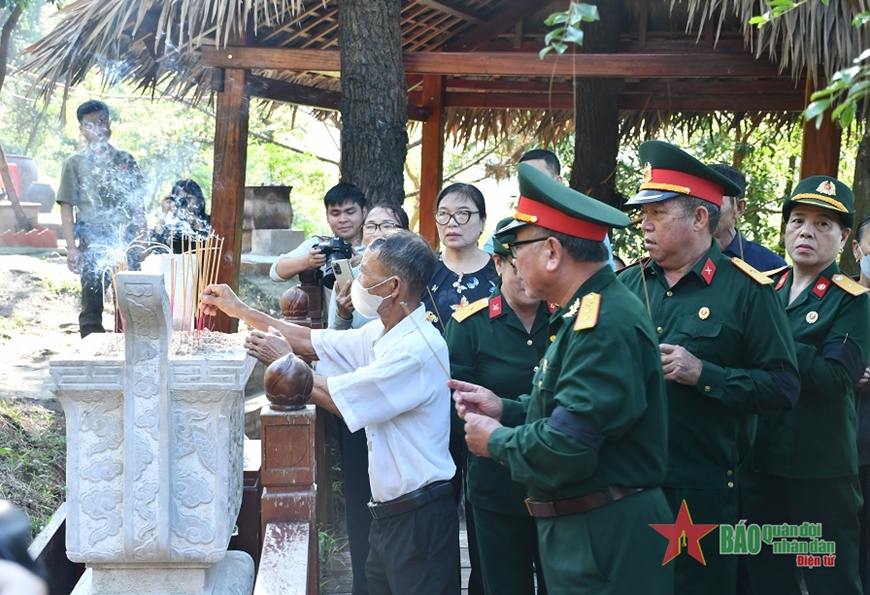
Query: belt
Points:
[577, 505]
[411, 501]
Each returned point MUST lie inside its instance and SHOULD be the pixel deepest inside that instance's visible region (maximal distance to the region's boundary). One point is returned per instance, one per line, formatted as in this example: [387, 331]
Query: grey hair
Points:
[690, 203]
[406, 255]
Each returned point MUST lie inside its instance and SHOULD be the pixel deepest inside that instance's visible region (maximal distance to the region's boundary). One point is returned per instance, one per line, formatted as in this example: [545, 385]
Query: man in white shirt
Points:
[390, 378]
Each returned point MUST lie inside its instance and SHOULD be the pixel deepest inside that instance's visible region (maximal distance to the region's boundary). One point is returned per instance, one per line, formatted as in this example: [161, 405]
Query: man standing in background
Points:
[101, 197]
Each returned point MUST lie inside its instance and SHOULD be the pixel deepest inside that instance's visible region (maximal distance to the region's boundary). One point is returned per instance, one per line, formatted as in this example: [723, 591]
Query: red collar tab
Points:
[782, 281]
[496, 308]
[552, 306]
[670, 180]
[708, 271]
[537, 213]
[821, 287]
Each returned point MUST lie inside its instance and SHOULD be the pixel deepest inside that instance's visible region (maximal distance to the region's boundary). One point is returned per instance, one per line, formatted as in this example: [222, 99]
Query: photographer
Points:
[345, 211]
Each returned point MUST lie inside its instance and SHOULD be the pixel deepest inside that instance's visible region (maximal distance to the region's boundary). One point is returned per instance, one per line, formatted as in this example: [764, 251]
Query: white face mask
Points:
[865, 263]
[364, 302]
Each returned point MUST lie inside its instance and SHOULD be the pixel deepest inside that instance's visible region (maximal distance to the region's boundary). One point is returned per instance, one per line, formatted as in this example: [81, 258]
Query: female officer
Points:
[497, 342]
[804, 466]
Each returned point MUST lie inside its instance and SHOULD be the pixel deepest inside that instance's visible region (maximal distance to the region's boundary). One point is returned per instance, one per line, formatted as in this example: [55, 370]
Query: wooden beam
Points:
[668, 87]
[452, 8]
[820, 149]
[431, 155]
[228, 180]
[517, 10]
[643, 66]
[276, 90]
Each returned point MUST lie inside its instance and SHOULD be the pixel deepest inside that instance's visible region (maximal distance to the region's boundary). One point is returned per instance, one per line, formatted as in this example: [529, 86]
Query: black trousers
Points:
[99, 258]
[357, 493]
[416, 552]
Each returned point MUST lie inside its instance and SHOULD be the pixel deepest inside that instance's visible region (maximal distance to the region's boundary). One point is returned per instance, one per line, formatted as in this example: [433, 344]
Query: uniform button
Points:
[529, 342]
[535, 369]
[659, 330]
[669, 293]
[730, 484]
[552, 338]
[707, 389]
[729, 473]
[539, 383]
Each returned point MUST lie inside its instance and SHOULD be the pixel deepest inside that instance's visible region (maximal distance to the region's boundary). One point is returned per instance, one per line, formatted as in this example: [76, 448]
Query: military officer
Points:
[498, 342]
[804, 462]
[589, 442]
[726, 350]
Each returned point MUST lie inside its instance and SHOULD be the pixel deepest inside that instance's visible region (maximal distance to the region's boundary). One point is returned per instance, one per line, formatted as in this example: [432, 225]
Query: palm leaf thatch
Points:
[148, 42]
[812, 39]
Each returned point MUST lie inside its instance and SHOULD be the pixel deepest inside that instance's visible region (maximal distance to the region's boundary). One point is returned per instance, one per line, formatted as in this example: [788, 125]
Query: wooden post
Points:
[432, 155]
[820, 149]
[228, 184]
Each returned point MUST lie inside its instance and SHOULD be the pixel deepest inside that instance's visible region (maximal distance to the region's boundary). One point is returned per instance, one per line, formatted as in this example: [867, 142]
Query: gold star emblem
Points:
[703, 313]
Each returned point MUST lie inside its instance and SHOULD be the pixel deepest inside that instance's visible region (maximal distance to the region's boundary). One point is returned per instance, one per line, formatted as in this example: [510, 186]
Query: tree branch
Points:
[5, 35]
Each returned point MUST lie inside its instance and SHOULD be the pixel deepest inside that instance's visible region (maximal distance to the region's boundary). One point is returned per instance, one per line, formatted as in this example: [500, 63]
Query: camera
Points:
[334, 249]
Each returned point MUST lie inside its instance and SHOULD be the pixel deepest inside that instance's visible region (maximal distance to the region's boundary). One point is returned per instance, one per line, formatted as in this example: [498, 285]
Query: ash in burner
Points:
[184, 344]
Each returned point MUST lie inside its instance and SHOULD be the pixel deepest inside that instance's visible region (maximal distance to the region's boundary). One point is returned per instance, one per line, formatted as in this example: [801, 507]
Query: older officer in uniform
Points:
[497, 342]
[804, 462]
[726, 350]
[589, 443]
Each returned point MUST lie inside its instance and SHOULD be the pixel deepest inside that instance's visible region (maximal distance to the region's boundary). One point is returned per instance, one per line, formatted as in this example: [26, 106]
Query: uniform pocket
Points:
[698, 336]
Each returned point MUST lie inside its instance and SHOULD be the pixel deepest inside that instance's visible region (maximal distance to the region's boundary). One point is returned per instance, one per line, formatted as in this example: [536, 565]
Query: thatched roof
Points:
[156, 44]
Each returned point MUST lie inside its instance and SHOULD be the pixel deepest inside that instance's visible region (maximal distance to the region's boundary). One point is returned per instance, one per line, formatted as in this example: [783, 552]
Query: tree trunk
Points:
[5, 36]
[374, 117]
[861, 187]
[596, 141]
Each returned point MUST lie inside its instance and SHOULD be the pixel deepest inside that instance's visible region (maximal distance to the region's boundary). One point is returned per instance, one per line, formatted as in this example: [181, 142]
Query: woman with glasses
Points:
[497, 342]
[465, 272]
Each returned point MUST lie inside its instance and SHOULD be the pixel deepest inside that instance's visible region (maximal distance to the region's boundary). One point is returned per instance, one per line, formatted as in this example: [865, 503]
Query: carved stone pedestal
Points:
[154, 454]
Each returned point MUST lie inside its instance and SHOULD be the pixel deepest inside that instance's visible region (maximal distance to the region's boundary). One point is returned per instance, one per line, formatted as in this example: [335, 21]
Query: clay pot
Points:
[289, 382]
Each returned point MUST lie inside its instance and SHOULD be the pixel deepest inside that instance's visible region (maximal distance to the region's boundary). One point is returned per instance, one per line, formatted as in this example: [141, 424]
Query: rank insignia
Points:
[495, 307]
[704, 313]
[552, 306]
[827, 187]
[708, 271]
[588, 316]
[812, 316]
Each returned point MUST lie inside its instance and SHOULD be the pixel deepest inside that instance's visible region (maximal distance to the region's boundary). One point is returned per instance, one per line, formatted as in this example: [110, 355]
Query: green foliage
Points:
[567, 27]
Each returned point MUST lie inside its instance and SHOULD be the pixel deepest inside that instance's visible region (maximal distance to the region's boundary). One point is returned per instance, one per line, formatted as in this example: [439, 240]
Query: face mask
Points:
[865, 263]
[364, 302]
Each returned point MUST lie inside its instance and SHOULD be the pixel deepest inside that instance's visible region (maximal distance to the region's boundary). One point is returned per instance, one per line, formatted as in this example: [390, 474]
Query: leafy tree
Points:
[11, 12]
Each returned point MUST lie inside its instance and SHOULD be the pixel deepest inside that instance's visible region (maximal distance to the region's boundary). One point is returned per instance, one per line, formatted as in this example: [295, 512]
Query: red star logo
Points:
[684, 533]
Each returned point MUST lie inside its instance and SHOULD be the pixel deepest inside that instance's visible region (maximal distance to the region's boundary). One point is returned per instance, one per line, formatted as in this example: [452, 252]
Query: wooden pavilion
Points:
[472, 68]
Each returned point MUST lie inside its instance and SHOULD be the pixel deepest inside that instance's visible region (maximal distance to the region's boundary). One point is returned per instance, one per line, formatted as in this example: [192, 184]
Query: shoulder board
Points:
[472, 308]
[773, 272]
[846, 284]
[587, 315]
[751, 271]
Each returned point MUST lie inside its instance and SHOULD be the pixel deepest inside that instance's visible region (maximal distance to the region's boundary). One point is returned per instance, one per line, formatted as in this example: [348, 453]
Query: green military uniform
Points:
[726, 314]
[589, 429]
[489, 345]
[804, 462]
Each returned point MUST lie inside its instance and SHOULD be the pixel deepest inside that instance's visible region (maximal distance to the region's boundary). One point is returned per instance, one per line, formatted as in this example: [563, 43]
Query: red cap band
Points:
[532, 211]
[671, 180]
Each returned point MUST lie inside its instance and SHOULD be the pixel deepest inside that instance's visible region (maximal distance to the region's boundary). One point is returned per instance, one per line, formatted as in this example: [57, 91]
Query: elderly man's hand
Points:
[679, 365]
[472, 398]
[478, 429]
[864, 382]
[267, 347]
[343, 301]
[220, 297]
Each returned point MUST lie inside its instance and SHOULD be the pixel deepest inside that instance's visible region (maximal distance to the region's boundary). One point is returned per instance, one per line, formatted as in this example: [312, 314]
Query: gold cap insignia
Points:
[647, 173]
[812, 316]
[703, 313]
[827, 187]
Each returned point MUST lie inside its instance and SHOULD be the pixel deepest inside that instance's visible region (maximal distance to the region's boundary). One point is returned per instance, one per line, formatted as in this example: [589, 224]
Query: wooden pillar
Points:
[432, 155]
[820, 149]
[228, 182]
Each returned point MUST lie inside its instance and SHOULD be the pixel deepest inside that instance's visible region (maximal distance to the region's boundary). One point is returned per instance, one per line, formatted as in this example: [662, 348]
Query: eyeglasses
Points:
[461, 217]
[513, 247]
[385, 226]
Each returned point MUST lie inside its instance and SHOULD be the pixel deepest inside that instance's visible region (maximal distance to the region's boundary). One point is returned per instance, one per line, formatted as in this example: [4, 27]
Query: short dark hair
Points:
[90, 107]
[406, 255]
[862, 228]
[468, 191]
[343, 193]
[732, 174]
[547, 157]
[690, 203]
[581, 249]
[397, 212]
[191, 188]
